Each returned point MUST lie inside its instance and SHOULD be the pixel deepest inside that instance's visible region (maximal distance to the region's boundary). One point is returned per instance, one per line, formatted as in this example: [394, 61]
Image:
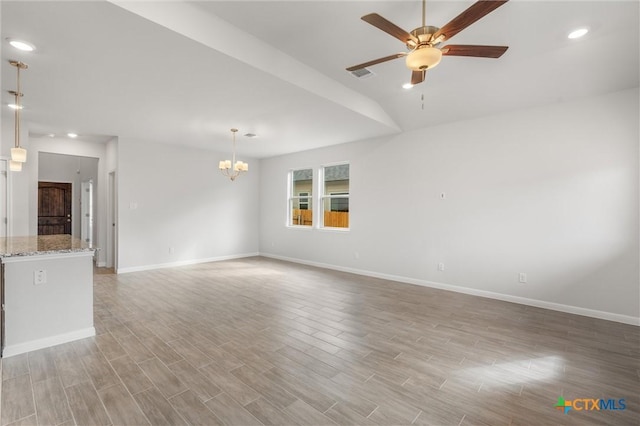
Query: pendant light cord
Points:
[17, 114]
[18, 94]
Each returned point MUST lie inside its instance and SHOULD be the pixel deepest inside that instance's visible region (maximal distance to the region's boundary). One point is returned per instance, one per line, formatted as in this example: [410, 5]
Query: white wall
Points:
[552, 192]
[175, 197]
[18, 203]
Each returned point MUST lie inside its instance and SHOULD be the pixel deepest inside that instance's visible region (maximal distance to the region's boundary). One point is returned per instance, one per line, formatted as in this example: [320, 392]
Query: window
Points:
[300, 198]
[335, 196]
[340, 204]
[304, 202]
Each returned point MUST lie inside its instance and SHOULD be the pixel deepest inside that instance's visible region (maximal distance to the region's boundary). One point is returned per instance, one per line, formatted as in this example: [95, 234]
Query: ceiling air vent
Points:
[361, 73]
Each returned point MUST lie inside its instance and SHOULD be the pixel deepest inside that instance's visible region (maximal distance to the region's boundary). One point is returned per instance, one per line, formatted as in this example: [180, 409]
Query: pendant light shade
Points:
[15, 166]
[19, 155]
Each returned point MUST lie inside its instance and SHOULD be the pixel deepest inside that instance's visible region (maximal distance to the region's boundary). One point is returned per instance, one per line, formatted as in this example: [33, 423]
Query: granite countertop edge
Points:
[45, 252]
[42, 245]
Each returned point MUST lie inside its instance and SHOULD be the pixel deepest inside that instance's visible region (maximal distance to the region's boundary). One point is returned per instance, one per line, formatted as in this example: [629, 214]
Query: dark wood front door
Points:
[54, 208]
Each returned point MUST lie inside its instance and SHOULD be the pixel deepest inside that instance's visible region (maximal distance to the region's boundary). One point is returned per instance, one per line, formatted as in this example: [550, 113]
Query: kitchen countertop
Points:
[42, 244]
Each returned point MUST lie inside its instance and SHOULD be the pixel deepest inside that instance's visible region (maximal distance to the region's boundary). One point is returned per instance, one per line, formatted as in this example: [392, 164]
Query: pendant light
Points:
[18, 154]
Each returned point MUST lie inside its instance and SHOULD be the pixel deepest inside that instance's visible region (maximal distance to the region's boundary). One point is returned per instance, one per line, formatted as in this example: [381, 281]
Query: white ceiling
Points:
[186, 72]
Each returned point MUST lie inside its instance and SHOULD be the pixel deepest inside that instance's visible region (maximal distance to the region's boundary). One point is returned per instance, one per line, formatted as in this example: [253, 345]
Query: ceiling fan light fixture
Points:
[423, 58]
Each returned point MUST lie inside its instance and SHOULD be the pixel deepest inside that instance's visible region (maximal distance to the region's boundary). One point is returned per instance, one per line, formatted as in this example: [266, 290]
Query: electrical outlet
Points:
[39, 277]
[522, 277]
[440, 266]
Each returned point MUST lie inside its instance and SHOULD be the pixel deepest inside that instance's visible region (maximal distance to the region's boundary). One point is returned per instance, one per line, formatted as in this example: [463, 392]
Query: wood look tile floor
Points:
[263, 342]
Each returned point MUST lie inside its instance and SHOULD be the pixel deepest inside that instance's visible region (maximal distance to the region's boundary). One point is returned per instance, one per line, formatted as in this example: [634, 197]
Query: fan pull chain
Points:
[422, 99]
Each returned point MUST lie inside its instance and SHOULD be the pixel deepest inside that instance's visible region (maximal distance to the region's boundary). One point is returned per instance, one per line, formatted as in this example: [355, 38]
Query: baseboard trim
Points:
[183, 263]
[59, 339]
[593, 313]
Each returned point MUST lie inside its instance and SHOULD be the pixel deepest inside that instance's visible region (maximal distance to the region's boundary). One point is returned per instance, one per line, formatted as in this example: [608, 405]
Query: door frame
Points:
[111, 260]
[73, 203]
[8, 225]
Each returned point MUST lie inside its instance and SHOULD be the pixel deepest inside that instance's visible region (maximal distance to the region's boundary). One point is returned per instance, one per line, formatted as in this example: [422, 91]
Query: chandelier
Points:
[225, 166]
[18, 154]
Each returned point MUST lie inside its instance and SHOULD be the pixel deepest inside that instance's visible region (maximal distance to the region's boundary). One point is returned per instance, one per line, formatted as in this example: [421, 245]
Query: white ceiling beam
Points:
[190, 21]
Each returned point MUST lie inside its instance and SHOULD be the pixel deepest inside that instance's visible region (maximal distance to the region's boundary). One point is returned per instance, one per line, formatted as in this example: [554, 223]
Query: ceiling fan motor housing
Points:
[424, 36]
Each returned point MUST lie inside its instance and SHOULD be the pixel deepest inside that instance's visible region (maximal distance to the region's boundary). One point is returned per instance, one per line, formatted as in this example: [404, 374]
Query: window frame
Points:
[322, 198]
[291, 197]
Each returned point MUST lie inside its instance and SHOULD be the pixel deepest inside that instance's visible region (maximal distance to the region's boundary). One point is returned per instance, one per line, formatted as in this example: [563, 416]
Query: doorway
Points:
[54, 208]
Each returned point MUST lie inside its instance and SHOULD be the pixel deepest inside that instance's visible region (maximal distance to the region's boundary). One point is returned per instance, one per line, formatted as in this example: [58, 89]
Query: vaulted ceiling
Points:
[185, 72]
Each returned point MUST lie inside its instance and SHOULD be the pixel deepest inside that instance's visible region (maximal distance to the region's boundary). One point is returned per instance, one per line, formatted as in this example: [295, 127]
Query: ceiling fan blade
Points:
[388, 27]
[468, 17]
[473, 50]
[417, 77]
[376, 61]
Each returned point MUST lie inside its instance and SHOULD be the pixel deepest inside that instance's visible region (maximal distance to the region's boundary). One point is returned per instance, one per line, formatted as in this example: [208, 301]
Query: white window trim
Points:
[322, 197]
[290, 197]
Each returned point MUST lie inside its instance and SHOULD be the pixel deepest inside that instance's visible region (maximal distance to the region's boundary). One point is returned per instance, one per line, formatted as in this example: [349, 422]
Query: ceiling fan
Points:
[422, 42]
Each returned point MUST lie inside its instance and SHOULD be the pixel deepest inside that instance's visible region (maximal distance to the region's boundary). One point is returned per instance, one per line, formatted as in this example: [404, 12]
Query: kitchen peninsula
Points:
[47, 292]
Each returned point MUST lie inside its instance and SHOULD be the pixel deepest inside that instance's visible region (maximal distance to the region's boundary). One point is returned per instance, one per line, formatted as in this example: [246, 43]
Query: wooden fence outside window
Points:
[331, 219]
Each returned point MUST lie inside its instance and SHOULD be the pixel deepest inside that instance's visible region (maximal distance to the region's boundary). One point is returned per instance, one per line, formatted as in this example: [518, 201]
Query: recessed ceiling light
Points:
[407, 86]
[52, 135]
[578, 33]
[72, 135]
[14, 106]
[22, 45]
